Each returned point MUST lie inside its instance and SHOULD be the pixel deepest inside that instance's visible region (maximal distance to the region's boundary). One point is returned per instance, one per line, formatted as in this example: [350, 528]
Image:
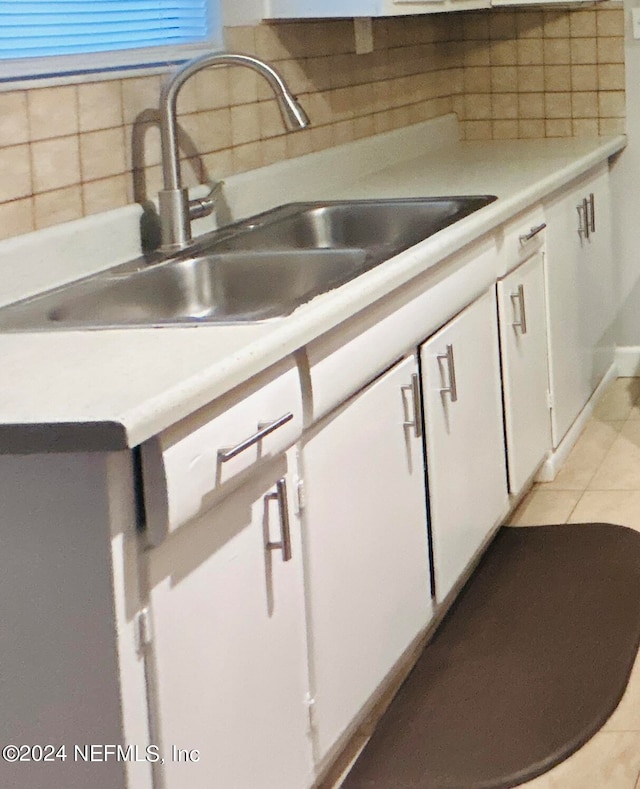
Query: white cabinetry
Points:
[245, 11]
[252, 10]
[366, 549]
[548, 3]
[464, 438]
[579, 295]
[396, 7]
[202, 458]
[270, 635]
[523, 346]
[227, 652]
[229, 641]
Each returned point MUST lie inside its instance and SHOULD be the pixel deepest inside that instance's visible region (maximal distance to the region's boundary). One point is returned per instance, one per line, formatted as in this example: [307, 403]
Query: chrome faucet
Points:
[176, 210]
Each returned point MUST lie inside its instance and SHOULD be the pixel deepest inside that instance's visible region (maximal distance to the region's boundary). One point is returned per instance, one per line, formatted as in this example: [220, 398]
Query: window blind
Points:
[41, 28]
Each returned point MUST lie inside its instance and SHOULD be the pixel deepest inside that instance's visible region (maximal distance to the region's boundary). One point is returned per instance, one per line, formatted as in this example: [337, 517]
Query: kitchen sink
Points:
[258, 269]
[218, 287]
[392, 225]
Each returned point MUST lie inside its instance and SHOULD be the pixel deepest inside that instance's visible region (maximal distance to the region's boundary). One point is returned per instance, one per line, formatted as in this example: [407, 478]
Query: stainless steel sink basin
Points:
[257, 269]
[392, 225]
[218, 287]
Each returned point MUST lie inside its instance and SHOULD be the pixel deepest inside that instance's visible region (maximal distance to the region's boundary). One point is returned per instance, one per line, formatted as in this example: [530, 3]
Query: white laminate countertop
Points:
[112, 389]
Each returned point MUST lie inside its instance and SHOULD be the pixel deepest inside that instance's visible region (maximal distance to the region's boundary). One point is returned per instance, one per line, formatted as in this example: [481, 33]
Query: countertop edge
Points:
[67, 437]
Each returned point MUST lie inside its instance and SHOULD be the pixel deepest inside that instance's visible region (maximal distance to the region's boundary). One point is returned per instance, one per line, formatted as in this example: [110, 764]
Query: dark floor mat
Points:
[529, 663]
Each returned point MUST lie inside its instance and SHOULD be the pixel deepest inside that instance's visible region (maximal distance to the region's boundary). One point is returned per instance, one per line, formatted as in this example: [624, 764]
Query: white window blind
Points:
[40, 36]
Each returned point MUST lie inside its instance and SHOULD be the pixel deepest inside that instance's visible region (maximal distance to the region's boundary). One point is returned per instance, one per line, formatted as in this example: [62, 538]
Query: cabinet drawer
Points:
[189, 467]
[522, 237]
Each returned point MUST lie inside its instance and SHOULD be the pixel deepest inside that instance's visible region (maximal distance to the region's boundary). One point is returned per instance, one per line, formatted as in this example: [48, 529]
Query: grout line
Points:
[575, 506]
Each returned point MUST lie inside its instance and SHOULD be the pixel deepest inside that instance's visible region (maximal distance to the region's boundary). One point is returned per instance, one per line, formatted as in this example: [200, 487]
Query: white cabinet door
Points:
[579, 296]
[229, 644]
[464, 438]
[597, 280]
[366, 547]
[523, 345]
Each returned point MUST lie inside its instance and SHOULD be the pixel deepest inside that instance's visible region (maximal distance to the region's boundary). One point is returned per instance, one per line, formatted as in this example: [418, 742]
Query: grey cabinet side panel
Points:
[58, 662]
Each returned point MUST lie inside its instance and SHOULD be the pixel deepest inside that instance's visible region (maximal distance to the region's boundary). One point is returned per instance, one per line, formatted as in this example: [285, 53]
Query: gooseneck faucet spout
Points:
[176, 212]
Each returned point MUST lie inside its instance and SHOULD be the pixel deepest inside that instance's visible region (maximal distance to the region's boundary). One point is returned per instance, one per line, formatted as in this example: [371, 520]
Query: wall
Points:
[77, 149]
[625, 188]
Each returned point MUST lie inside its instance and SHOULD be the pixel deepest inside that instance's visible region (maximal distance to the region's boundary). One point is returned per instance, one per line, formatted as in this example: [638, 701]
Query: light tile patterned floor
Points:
[600, 481]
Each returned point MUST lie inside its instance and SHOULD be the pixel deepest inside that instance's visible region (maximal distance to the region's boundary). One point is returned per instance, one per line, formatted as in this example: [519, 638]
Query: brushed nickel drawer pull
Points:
[227, 453]
[519, 297]
[452, 389]
[583, 219]
[280, 495]
[592, 212]
[533, 232]
[414, 388]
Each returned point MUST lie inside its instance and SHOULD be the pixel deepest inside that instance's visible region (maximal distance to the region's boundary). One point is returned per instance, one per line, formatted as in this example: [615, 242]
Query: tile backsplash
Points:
[74, 150]
[545, 73]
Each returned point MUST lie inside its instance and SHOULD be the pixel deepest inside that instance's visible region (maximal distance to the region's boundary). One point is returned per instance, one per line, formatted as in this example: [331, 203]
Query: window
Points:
[41, 38]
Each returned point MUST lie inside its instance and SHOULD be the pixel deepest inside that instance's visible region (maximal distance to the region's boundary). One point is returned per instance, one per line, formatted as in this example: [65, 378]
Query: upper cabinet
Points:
[275, 9]
[560, 3]
[239, 12]
[251, 11]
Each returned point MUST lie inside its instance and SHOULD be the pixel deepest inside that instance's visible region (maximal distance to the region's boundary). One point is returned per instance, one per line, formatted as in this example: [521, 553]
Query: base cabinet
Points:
[525, 381]
[228, 660]
[366, 549]
[579, 295]
[464, 438]
[263, 661]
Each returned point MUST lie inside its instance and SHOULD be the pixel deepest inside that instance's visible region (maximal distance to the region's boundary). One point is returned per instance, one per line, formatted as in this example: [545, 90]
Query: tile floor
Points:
[600, 481]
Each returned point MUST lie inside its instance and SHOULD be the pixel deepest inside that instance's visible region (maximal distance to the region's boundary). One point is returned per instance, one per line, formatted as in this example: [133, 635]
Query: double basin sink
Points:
[261, 268]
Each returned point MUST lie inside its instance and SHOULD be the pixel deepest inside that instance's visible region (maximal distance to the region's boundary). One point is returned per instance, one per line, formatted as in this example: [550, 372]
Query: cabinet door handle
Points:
[583, 219]
[452, 389]
[592, 213]
[522, 310]
[532, 233]
[414, 388]
[227, 453]
[280, 495]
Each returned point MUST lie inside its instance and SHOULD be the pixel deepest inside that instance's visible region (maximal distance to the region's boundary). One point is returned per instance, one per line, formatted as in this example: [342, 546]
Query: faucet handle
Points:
[203, 206]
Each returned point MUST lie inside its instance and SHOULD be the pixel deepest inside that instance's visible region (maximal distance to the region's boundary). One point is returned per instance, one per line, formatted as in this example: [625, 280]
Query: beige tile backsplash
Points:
[74, 150]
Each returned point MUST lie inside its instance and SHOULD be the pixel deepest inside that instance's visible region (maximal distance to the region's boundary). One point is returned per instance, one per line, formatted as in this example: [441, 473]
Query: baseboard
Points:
[556, 458]
[627, 361]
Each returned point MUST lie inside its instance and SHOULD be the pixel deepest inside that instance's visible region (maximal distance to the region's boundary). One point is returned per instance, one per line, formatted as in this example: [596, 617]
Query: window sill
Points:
[47, 72]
